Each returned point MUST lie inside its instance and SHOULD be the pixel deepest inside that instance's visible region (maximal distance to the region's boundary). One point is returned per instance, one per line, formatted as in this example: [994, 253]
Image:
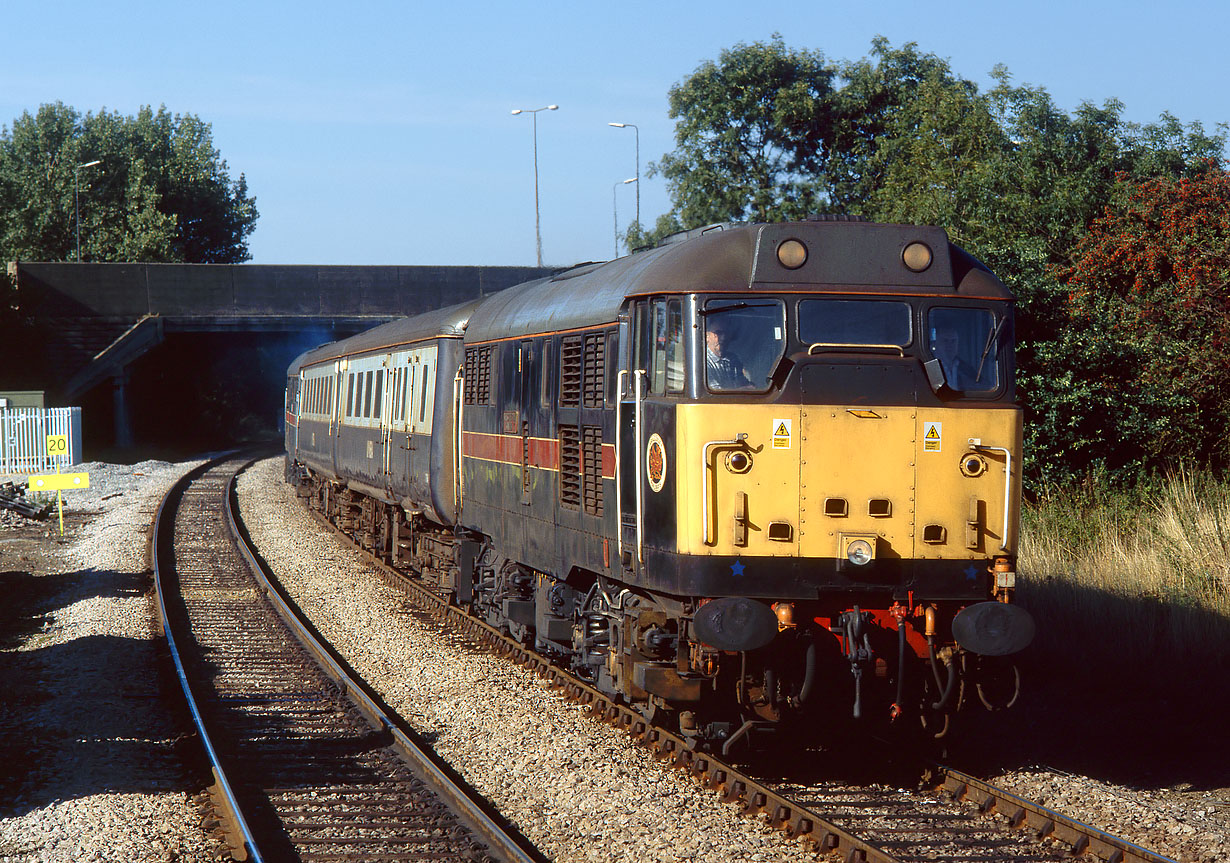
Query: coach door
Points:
[386, 418]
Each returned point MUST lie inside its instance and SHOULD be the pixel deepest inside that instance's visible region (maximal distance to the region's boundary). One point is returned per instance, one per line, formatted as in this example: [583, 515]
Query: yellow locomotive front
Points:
[835, 480]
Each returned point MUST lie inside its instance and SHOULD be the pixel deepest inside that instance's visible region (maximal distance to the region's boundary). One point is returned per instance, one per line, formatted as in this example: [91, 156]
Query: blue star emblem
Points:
[736, 568]
[971, 572]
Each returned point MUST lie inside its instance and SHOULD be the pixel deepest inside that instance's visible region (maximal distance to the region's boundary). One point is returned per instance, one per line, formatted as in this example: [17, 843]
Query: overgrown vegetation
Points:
[1123, 580]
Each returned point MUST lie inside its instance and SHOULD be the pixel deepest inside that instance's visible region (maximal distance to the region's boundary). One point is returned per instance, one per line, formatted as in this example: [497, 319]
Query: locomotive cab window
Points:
[659, 345]
[854, 322]
[966, 341]
[744, 341]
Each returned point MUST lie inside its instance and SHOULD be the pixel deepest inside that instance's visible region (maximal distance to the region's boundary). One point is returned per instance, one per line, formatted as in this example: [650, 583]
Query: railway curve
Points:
[307, 765]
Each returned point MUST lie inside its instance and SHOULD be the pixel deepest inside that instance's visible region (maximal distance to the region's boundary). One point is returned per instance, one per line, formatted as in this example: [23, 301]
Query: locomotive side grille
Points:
[595, 369]
[591, 442]
[570, 466]
[478, 376]
[570, 372]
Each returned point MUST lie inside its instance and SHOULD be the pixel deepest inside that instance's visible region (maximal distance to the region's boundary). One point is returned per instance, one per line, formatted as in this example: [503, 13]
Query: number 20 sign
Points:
[57, 444]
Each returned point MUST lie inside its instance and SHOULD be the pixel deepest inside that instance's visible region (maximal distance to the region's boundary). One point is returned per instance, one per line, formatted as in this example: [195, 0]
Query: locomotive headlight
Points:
[916, 257]
[859, 552]
[792, 254]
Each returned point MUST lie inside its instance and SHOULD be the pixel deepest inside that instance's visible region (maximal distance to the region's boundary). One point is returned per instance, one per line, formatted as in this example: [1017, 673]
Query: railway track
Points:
[307, 765]
[959, 817]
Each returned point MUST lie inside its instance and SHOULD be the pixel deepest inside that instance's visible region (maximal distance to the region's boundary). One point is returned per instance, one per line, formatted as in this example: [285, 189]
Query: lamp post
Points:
[537, 224]
[77, 200]
[638, 164]
[615, 209]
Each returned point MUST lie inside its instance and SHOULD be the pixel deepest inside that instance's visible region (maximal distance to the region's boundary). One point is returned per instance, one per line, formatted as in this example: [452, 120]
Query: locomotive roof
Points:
[842, 257]
[449, 322]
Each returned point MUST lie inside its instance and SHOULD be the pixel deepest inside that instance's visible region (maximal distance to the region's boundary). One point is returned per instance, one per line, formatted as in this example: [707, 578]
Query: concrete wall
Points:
[65, 290]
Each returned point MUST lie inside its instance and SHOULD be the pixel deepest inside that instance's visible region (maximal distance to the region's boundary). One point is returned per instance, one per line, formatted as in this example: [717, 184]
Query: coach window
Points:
[423, 395]
[350, 395]
[378, 400]
[407, 395]
[367, 394]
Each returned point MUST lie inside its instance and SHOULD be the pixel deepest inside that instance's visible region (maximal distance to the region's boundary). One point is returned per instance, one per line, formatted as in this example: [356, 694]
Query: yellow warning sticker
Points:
[933, 435]
[781, 433]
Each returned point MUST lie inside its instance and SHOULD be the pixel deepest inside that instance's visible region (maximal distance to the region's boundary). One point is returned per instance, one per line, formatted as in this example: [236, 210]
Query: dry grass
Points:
[1121, 579]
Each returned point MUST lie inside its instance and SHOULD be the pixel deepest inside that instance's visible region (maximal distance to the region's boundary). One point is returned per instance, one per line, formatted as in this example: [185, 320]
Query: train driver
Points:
[945, 346]
[724, 369]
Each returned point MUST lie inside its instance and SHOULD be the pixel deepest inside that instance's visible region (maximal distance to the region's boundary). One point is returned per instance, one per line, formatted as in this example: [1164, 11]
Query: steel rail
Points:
[499, 842]
[1043, 821]
[248, 850]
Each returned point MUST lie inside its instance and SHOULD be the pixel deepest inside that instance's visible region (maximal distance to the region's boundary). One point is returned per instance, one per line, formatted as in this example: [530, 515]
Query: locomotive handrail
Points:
[740, 440]
[619, 434]
[977, 444]
[638, 377]
[458, 380]
[848, 345]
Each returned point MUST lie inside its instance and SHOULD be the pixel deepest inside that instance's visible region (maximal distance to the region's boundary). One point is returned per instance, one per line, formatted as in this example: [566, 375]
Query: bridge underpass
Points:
[157, 351]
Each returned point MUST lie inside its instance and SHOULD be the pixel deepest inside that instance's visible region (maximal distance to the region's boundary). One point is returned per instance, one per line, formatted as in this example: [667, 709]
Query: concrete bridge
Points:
[87, 328]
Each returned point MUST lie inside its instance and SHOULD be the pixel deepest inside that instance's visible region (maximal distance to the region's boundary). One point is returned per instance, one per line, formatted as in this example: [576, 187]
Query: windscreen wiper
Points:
[986, 349]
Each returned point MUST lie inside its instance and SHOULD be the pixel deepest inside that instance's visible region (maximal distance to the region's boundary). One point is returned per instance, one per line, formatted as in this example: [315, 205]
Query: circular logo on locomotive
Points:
[655, 462]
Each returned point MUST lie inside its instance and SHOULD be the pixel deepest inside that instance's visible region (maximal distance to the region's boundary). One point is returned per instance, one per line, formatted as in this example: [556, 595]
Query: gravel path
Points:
[92, 768]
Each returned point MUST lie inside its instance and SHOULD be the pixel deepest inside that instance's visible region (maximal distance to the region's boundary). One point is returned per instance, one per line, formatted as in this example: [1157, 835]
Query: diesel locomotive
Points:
[756, 476]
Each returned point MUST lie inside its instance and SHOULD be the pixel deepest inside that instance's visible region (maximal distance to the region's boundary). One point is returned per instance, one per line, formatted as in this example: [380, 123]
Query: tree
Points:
[161, 193]
[749, 136]
[1150, 336]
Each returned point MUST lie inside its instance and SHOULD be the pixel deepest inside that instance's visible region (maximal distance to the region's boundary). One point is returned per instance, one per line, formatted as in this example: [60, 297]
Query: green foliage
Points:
[898, 137]
[1150, 299]
[748, 135]
[161, 192]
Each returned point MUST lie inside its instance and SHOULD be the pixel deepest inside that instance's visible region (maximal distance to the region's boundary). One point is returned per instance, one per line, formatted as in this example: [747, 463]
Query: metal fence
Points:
[23, 438]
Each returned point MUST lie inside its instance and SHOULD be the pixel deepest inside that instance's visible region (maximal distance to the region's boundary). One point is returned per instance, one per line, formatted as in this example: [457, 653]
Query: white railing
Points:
[23, 438]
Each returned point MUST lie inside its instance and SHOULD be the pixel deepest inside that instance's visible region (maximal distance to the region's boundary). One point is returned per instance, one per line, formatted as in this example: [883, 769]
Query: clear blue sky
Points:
[380, 132]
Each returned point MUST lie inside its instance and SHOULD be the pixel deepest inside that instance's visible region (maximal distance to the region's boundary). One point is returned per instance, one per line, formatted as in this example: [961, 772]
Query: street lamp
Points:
[614, 209]
[638, 164]
[77, 200]
[537, 223]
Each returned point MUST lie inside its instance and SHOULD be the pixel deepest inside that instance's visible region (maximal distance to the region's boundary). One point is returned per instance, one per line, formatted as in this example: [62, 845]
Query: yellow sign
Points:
[932, 436]
[57, 445]
[59, 481]
[781, 434]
